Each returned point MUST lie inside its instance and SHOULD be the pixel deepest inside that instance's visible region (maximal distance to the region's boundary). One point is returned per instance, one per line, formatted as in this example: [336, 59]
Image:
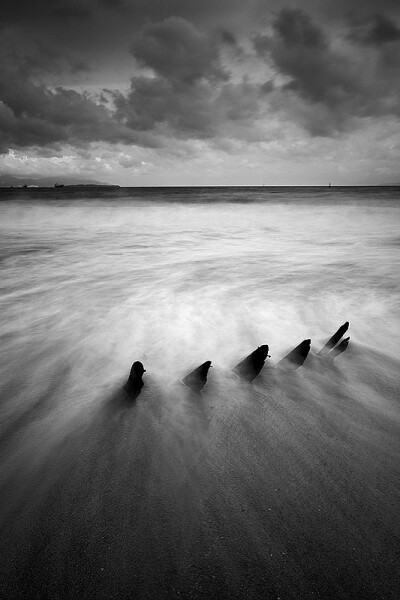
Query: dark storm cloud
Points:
[31, 114]
[185, 93]
[321, 76]
[151, 103]
[375, 31]
[177, 51]
[36, 58]
[228, 38]
[194, 111]
[296, 29]
[299, 49]
[188, 92]
[179, 94]
[181, 86]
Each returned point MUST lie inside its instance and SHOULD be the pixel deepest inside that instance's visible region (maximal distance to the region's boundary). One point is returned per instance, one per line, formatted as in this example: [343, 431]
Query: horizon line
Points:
[116, 185]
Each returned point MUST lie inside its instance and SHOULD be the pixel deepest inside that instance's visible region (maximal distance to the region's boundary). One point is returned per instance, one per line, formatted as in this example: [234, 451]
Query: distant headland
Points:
[17, 181]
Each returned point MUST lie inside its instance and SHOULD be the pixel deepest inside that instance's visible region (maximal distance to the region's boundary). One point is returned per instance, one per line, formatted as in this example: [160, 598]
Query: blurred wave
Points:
[272, 488]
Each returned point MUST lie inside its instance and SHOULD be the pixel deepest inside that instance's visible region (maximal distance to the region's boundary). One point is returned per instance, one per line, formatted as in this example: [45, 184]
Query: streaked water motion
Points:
[286, 487]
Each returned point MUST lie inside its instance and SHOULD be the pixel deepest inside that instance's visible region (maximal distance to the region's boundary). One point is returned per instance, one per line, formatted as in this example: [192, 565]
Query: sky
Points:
[201, 92]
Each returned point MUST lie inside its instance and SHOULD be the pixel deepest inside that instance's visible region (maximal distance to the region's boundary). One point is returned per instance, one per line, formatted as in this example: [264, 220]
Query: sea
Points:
[283, 488]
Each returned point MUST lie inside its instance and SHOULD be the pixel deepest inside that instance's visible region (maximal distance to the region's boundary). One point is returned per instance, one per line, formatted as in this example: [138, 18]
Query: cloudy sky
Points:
[192, 92]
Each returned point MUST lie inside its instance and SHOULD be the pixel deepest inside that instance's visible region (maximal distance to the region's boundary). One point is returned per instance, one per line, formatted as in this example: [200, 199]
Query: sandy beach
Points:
[284, 488]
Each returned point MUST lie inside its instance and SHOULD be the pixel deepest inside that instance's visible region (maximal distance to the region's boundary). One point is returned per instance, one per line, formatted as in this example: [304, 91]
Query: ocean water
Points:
[225, 494]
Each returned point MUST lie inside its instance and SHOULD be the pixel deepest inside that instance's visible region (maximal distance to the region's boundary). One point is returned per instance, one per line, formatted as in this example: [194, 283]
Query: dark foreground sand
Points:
[288, 488]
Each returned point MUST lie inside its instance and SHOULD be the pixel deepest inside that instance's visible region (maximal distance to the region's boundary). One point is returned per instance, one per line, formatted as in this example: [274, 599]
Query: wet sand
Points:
[284, 488]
